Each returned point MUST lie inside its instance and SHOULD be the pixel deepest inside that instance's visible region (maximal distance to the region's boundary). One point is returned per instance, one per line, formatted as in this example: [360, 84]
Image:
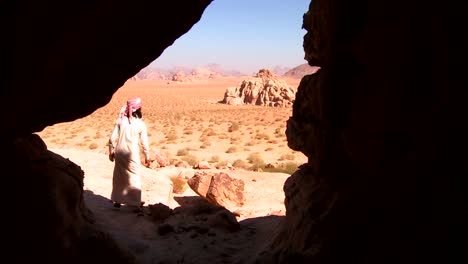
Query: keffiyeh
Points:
[127, 110]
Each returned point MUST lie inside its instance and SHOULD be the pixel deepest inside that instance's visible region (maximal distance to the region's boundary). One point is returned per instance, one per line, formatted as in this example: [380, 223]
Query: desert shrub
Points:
[262, 136]
[255, 158]
[171, 135]
[273, 141]
[183, 152]
[222, 136]
[235, 140]
[93, 146]
[179, 184]
[190, 159]
[269, 149]
[98, 135]
[173, 161]
[260, 166]
[203, 138]
[238, 163]
[205, 145]
[287, 157]
[279, 132]
[232, 149]
[222, 163]
[211, 132]
[251, 143]
[188, 132]
[234, 127]
[215, 158]
[288, 167]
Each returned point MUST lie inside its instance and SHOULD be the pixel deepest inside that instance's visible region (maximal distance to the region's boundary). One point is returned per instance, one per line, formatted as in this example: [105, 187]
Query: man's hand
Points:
[111, 156]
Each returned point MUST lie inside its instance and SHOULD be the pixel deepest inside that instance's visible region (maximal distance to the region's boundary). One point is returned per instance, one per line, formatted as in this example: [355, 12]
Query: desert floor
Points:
[186, 122]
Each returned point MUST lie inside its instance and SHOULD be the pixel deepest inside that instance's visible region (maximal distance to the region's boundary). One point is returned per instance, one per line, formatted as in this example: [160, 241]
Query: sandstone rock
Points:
[183, 164]
[265, 89]
[159, 160]
[200, 183]
[218, 188]
[203, 165]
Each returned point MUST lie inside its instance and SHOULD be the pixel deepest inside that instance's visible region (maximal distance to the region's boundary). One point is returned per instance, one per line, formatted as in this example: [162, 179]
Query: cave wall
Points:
[381, 125]
[62, 60]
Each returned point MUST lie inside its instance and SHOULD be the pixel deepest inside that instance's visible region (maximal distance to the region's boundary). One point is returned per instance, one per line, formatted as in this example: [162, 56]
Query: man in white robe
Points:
[124, 148]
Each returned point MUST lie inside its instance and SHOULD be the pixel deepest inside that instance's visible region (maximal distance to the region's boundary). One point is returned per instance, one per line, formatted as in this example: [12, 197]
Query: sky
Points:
[243, 35]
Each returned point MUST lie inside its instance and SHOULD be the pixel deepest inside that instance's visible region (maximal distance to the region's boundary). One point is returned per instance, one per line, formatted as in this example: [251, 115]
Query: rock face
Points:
[79, 53]
[379, 175]
[265, 89]
[382, 122]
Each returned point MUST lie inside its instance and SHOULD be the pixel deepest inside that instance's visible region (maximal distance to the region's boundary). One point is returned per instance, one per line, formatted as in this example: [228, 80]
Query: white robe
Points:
[125, 143]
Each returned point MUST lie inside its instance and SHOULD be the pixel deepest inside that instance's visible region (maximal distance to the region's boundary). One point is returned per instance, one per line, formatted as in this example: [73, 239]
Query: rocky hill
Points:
[300, 71]
[265, 88]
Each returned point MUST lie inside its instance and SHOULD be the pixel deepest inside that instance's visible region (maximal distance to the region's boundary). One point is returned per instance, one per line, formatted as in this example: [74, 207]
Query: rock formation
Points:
[218, 188]
[382, 122]
[264, 89]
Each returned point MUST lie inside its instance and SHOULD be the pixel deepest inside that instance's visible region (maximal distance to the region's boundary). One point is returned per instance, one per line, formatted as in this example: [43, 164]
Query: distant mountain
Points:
[184, 73]
[280, 70]
[301, 70]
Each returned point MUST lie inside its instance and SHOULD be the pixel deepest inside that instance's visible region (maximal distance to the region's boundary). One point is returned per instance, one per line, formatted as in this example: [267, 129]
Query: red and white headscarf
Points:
[127, 110]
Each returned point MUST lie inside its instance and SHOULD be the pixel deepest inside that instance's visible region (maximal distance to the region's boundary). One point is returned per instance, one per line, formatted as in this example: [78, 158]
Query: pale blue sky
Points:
[244, 35]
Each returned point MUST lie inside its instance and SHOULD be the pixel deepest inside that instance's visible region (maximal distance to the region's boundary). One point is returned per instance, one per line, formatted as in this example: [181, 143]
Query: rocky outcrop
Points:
[218, 188]
[264, 89]
[49, 210]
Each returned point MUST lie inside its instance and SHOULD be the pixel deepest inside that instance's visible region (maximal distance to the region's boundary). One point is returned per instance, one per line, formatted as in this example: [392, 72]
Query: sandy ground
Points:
[186, 236]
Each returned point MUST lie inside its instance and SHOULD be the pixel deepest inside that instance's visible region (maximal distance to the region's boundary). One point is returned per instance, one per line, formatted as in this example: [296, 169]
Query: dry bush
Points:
[288, 167]
[179, 184]
[262, 136]
[232, 149]
[234, 127]
[269, 149]
[255, 158]
[190, 159]
[251, 143]
[280, 132]
[215, 158]
[205, 145]
[238, 163]
[222, 163]
[235, 140]
[287, 157]
[93, 145]
[183, 152]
